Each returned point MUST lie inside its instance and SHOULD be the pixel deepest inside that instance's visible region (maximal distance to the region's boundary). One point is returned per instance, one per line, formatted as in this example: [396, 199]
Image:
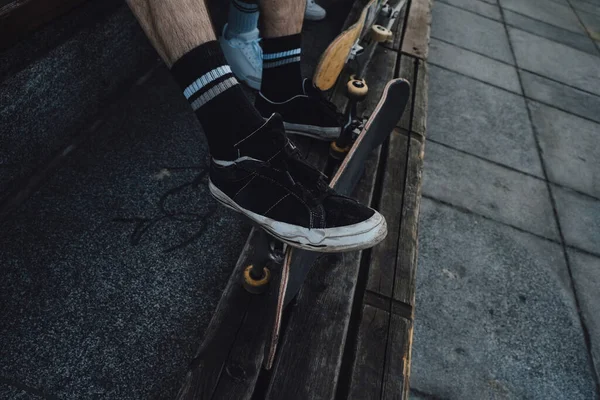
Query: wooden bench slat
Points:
[230, 357]
[421, 85]
[383, 257]
[416, 38]
[369, 362]
[315, 337]
[404, 286]
[397, 366]
[407, 71]
[415, 71]
[398, 26]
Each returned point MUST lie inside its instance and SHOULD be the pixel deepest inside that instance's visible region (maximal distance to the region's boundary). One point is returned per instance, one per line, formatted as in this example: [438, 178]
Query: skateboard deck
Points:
[297, 263]
[334, 58]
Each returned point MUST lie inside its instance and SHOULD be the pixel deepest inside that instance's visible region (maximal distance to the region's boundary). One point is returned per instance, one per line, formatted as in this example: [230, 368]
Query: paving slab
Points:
[589, 7]
[111, 272]
[591, 21]
[556, 61]
[496, 318]
[561, 96]
[586, 278]
[546, 11]
[488, 189]
[585, 6]
[478, 7]
[579, 217]
[474, 65]
[481, 119]
[570, 148]
[576, 40]
[470, 31]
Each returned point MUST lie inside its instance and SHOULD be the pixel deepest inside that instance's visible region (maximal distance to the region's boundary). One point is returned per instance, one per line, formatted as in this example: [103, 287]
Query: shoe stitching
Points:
[274, 155]
[257, 174]
[258, 129]
[247, 183]
[292, 193]
[278, 201]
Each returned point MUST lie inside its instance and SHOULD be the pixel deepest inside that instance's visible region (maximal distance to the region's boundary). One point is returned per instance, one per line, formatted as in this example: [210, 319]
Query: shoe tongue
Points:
[266, 141]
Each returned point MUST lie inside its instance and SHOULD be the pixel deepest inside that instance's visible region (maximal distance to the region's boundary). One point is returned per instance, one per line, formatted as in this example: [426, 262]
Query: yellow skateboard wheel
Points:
[337, 152]
[256, 286]
[357, 88]
[380, 33]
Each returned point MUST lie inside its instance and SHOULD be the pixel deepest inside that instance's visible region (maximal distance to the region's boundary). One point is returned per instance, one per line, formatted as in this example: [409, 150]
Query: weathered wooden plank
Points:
[383, 257]
[398, 26]
[397, 365]
[382, 362]
[416, 37]
[18, 17]
[404, 282]
[407, 71]
[369, 362]
[246, 353]
[235, 307]
[316, 333]
[416, 72]
[419, 117]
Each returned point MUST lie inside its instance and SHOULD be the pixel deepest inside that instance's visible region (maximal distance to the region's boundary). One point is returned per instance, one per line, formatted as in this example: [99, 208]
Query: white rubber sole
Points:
[330, 240]
[315, 132]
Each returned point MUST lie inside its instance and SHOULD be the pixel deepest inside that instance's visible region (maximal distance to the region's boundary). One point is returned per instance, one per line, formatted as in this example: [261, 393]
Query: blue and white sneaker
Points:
[313, 11]
[244, 55]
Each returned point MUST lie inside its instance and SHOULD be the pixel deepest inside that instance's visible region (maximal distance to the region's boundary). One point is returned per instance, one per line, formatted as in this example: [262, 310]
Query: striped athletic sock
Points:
[282, 77]
[224, 111]
[242, 18]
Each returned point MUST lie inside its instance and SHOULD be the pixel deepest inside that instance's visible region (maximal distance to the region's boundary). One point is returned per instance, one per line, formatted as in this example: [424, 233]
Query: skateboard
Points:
[296, 263]
[346, 45]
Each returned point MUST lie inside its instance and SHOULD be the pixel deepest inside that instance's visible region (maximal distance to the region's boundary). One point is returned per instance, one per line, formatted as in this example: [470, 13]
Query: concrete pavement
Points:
[508, 298]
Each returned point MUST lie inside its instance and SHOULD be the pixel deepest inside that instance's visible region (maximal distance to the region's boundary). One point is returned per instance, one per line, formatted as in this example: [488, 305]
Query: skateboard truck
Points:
[356, 51]
[357, 90]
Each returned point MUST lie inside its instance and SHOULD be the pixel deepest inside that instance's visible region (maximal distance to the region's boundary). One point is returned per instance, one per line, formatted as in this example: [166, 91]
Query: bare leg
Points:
[182, 33]
[282, 17]
[173, 27]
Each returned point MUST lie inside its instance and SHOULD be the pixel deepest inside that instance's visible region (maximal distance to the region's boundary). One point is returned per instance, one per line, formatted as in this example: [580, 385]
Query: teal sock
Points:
[243, 16]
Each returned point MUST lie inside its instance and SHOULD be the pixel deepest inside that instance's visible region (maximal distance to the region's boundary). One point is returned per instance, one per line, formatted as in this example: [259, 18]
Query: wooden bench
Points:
[349, 332]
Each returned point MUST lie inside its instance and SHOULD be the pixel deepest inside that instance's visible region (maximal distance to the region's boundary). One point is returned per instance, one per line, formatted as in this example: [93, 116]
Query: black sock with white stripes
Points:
[224, 111]
[282, 77]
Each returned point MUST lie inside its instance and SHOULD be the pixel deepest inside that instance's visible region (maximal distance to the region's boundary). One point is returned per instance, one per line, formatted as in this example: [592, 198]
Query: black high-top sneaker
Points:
[272, 186]
[308, 114]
